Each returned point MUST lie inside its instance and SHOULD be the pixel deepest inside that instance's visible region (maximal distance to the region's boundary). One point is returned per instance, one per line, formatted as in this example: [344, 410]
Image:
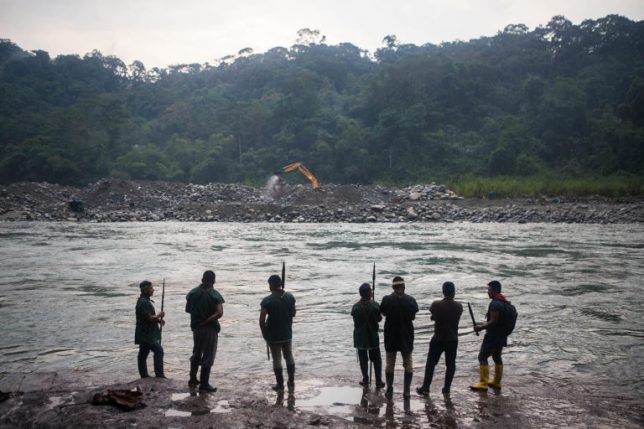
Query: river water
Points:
[68, 290]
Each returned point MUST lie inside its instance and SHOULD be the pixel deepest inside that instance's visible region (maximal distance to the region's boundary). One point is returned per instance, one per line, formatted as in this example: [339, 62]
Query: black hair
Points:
[495, 285]
[449, 290]
[145, 284]
[365, 290]
[208, 277]
[275, 281]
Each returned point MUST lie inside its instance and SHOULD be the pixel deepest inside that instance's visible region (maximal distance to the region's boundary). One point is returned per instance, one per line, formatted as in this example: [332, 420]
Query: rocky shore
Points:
[111, 200]
[64, 399]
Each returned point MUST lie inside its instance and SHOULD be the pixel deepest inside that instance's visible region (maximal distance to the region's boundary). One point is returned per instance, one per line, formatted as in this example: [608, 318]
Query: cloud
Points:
[163, 32]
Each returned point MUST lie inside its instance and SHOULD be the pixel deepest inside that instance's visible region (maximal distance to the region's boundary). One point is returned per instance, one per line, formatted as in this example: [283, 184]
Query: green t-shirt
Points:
[366, 315]
[280, 308]
[146, 332]
[201, 303]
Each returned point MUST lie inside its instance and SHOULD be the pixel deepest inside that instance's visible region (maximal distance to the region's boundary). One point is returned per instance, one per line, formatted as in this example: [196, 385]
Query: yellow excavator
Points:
[302, 169]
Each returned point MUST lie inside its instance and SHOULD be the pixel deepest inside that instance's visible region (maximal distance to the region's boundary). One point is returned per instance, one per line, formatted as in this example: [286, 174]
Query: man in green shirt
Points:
[276, 321]
[366, 315]
[400, 311]
[147, 333]
[205, 306]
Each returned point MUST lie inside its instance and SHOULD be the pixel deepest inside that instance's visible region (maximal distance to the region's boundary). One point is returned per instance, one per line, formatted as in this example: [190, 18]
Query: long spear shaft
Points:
[162, 302]
[373, 297]
[283, 274]
[472, 316]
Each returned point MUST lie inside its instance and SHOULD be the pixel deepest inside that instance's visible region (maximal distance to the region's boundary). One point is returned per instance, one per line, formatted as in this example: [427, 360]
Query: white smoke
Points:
[269, 189]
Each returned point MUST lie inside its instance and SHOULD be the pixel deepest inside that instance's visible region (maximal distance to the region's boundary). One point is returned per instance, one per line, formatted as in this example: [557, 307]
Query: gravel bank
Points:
[123, 201]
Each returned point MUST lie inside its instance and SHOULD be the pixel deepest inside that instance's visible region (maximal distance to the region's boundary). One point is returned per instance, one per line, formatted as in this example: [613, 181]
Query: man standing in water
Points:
[446, 314]
[366, 315]
[494, 341]
[400, 310]
[276, 321]
[205, 306]
[147, 334]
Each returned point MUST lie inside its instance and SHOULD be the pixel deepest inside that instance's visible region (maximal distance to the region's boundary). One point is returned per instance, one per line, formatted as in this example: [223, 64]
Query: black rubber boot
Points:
[158, 363]
[204, 385]
[290, 369]
[279, 378]
[193, 375]
[364, 367]
[449, 376]
[389, 393]
[407, 385]
[377, 367]
[142, 365]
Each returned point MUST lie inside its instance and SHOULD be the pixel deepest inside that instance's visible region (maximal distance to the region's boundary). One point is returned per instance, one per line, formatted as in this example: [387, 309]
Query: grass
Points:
[508, 187]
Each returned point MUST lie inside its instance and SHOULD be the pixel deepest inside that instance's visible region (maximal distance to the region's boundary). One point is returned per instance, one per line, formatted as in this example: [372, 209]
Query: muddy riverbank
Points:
[122, 201]
[62, 400]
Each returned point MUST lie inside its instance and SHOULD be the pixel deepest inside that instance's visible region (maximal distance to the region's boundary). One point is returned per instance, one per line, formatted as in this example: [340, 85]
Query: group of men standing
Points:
[205, 305]
[399, 310]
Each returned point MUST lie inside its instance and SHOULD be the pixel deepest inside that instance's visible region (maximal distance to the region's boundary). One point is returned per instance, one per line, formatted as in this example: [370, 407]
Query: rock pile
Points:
[430, 192]
[125, 201]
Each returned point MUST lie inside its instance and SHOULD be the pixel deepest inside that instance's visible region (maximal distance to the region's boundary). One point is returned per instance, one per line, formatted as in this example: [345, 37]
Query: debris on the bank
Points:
[127, 400]
[113, 200]
[76, 206]
[430, 192]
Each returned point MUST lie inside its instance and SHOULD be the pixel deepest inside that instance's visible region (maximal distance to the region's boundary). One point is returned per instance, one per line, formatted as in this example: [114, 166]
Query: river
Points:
[68, 290]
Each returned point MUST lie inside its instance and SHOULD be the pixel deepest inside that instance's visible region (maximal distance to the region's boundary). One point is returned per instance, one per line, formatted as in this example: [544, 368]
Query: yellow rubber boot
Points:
[498, 375]
[484, 372]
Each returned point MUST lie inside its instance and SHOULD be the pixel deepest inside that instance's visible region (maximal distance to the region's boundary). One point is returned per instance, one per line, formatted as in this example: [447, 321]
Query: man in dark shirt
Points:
[399, 310]
[446, 314]
[366, 315]
[147, 334]
[276, 321]
[205, 306]
[494, 339]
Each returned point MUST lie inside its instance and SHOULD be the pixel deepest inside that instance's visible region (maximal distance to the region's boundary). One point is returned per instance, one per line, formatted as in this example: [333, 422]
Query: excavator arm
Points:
[302, 169]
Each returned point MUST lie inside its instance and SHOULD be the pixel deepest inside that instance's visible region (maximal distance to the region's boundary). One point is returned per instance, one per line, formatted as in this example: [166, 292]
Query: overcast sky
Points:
[164, 32]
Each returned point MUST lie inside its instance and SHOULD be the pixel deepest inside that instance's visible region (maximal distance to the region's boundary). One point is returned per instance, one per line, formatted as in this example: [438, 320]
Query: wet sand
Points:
[61, 400]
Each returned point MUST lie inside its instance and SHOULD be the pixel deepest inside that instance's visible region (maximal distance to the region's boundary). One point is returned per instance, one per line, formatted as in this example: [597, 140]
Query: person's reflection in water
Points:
[482, 405]
[371, 408]
[389, 415]
[279, 399]
[290, 400]
[449, 420]
[430, 410]
[364, 402]
[449, 405]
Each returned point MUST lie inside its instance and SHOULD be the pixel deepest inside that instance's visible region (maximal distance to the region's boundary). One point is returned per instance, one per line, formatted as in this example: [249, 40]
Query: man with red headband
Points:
[495, 338]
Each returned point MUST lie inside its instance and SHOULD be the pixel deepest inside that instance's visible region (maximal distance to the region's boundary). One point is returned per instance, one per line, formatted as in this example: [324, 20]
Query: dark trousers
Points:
[436, 348]
[375, 357]
[144, 351]
[491, 347]
[205, 347]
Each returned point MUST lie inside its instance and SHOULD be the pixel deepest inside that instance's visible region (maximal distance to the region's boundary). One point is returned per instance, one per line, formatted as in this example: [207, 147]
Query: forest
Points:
[561, 101]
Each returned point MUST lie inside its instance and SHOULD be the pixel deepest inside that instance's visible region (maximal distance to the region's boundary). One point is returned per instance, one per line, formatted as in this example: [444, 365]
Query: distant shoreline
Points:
[144, 201]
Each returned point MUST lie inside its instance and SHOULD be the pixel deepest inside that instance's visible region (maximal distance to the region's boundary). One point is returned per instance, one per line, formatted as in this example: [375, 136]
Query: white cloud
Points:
[162, 32]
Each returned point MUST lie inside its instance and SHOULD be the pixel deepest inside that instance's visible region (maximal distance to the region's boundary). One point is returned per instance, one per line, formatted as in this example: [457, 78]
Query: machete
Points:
[472, 316]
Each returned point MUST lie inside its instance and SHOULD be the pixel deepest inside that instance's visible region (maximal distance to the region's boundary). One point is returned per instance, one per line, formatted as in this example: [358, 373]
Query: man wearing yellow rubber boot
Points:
[494, 341]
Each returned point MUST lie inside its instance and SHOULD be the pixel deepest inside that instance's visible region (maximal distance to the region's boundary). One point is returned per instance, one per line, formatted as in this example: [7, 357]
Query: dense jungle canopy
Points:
[561, 99]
